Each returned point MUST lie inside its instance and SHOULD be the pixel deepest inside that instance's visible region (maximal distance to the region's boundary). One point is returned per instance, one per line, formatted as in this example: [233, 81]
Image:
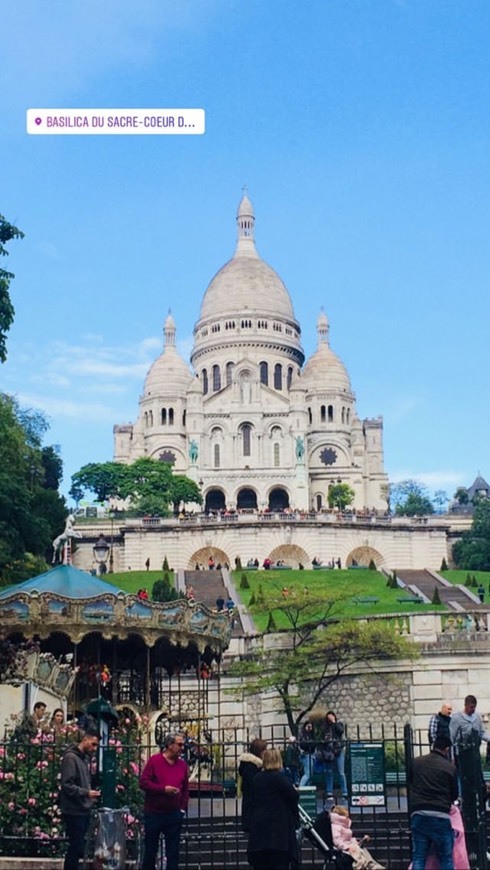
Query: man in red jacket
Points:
[165, 781]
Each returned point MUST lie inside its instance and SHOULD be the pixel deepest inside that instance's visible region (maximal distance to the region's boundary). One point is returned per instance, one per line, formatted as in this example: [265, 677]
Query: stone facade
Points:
[250, 423]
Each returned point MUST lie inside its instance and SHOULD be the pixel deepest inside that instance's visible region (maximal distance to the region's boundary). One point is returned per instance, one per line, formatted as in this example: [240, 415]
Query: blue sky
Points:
[361, 128]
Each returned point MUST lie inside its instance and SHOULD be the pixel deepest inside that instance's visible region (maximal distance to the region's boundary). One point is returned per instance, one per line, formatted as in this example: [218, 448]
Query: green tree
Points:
[184, 491]
[148, 483]
[31, 514]
[441, 499]
[472, 552]
[340, 495]
[411, 498]
[321, 648]
[7, 233]
[461, 495]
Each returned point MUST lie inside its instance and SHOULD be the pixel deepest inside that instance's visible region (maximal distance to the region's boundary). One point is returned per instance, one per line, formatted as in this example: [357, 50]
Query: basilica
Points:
[256, 426]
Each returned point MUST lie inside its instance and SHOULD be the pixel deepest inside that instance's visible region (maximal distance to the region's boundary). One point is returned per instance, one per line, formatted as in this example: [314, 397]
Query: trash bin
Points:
[110, 840]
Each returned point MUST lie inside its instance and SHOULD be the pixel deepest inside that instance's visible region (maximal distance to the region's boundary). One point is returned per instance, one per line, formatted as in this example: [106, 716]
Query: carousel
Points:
[130, 651]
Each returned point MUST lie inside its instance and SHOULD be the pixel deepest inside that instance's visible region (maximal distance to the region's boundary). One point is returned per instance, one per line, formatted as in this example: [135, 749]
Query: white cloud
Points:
[71, 408]
[447, 479]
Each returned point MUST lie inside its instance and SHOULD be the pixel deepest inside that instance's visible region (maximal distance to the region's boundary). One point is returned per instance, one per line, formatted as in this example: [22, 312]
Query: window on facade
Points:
[319, 503]
[204, 382]
[330, 413]
[163, 416]
[323, 414]
[151, 418]
[184, 415]
[310, 416]
[246, 436]
[264, 373]
[170, 416]
[216, 379]
[216, 455]
[347, 419]
[277, 456]
[229, 373]
[290, 376]
[343, 415]
[278, 376]
[146, 419]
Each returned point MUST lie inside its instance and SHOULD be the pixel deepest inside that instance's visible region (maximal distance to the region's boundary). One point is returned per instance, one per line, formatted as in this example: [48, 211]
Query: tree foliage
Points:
[32, 512]
[149, 485]
[7, 233]
[410, 498]
[340, 495]
[472, 552]
[319, 648]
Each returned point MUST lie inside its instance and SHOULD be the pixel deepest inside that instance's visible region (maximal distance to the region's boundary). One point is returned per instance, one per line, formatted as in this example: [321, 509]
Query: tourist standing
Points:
[307, 746]
[467, 723]
[433, 788]
[249, 765]
[272, 843]
[440, 723]
[77, 796]
[165, 781]
[333, 753]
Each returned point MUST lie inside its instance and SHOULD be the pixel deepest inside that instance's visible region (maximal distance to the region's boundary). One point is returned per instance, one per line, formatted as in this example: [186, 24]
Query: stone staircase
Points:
[424, 582]
[208, 586]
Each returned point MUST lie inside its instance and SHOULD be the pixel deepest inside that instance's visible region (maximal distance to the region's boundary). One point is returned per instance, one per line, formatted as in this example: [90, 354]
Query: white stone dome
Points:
[246, 282]
[324, 368]
[169, 375]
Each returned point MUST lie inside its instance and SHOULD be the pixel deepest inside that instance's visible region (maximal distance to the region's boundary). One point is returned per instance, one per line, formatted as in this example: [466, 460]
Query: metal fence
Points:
[31, 824]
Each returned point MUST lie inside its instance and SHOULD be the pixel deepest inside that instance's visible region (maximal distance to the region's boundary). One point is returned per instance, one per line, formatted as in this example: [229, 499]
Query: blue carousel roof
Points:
[64, 580]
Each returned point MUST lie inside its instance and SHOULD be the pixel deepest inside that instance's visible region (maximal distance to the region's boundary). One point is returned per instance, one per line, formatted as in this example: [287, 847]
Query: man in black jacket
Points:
[77, 795]
[433, 788]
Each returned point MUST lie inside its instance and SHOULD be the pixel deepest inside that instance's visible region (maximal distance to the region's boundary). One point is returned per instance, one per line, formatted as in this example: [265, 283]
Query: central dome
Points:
[246, 283]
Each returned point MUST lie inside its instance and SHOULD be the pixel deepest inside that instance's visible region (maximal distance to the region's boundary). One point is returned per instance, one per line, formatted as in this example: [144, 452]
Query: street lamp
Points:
[101, 551]
[111, 554]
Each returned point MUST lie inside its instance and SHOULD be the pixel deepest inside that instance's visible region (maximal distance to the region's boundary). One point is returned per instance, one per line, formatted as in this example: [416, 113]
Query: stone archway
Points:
[246, 499]
[362, 556]
[278, 499]
[215, 500]
[291, 555]
[202, 556]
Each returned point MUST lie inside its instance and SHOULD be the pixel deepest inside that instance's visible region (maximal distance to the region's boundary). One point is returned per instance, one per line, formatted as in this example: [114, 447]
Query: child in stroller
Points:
[343, 839]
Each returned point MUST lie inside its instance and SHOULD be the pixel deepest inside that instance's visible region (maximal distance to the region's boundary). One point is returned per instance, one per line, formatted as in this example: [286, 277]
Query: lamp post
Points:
[111, 552]
[101, 551]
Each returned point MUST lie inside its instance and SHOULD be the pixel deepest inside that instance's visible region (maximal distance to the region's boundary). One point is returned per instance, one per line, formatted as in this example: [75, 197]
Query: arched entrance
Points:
[202, 556]
[215, 500]
[278, 499]
[363, 556]
[291, 555]
[246, 500]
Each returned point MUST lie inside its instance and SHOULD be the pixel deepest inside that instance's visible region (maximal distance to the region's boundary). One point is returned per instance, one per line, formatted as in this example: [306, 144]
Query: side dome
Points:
[246, 281]
[169, 375]
[325, 369]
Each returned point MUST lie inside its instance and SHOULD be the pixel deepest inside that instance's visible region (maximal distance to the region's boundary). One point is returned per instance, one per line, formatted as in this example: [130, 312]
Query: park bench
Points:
[322, 567]
[366, 599]
[358, 567]
[410, 599]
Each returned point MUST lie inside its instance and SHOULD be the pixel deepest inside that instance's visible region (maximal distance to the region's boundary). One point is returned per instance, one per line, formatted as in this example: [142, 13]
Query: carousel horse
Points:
[68, 532]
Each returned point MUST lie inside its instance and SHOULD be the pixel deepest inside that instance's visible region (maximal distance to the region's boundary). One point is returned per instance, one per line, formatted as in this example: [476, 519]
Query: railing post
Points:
[473, 800]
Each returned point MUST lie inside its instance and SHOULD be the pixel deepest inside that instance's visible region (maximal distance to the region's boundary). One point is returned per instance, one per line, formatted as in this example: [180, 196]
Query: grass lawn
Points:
[131, 581]
[460, 577]
[344, 583]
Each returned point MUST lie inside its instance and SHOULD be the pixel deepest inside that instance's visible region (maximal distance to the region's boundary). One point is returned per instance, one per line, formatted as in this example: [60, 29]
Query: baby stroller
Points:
[319, 833]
